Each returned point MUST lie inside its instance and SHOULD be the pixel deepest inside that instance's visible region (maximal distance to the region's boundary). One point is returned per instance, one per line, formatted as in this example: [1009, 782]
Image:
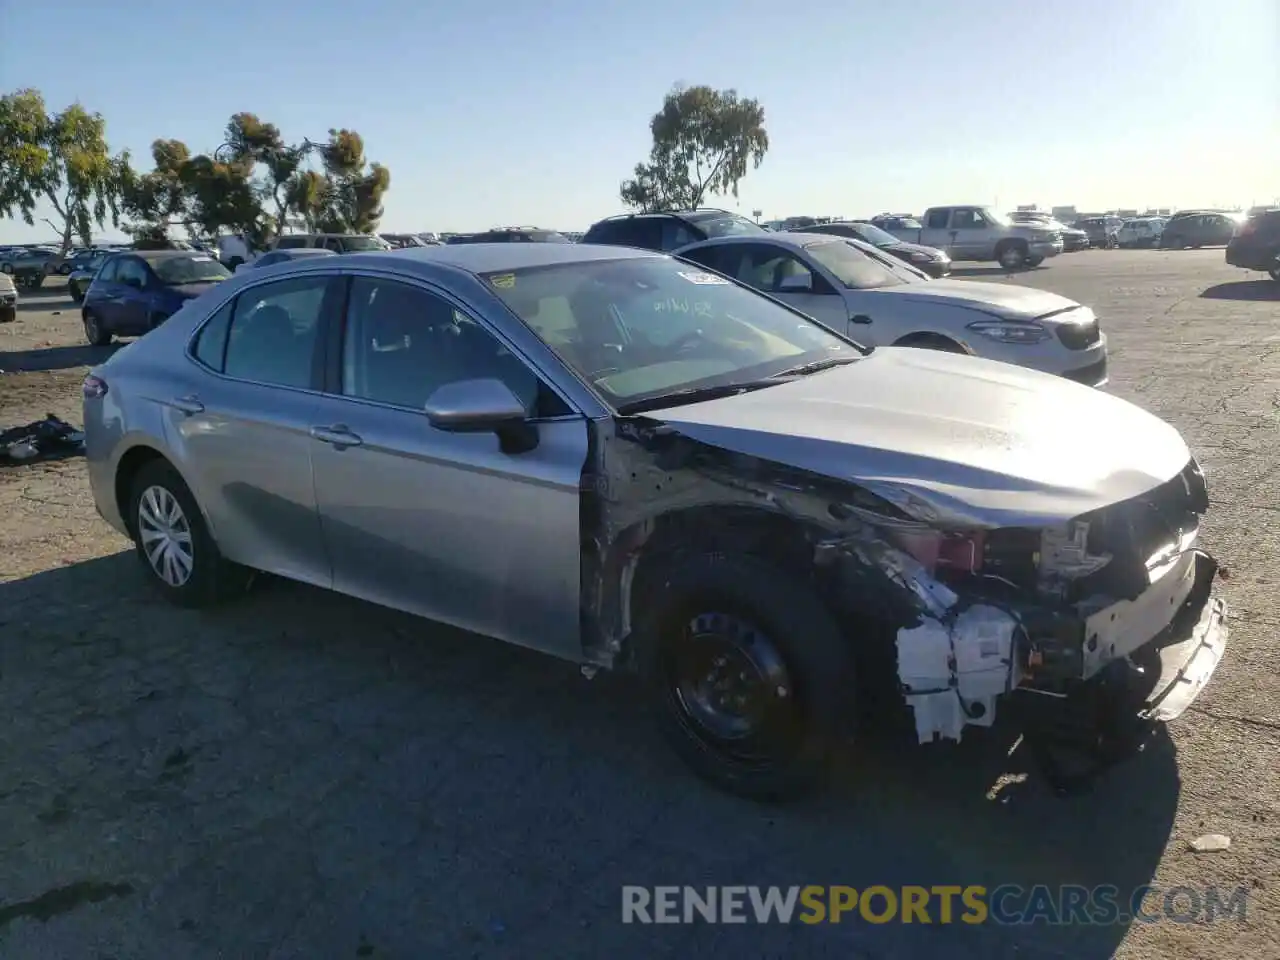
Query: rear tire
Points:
[748, 675]
[178, 555]
[1011, 254]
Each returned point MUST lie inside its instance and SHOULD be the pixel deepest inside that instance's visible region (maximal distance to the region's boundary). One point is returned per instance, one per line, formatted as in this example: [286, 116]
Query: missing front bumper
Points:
[1108, 717]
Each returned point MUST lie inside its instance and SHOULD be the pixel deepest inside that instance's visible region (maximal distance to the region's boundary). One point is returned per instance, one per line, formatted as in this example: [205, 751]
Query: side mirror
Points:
[796, 283]
[483, 406]
[474, 406]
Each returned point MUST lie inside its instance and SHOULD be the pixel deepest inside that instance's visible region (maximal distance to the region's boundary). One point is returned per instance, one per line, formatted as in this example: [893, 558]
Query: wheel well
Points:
[130, 464]
[769, 536]
[931, 341]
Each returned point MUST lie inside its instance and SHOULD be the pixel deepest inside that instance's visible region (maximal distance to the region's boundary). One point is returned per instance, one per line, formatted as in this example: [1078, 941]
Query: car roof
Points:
[490, 257]
[786, 238]
[151, 256]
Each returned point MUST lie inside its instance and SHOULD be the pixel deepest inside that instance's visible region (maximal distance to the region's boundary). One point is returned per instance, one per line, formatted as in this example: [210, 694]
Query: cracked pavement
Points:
[304, 775]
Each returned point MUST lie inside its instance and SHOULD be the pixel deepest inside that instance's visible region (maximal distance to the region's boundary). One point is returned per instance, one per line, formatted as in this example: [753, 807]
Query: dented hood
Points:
[951, 439]
[1000, 299]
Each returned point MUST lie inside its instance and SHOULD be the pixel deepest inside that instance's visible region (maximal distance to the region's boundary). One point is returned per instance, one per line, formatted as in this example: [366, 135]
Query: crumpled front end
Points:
[1056, 613]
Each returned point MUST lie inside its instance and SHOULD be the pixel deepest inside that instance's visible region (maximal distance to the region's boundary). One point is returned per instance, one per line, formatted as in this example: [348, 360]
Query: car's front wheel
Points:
[173, 543]
[93, 329]
[748, 674]
[1034, 261]
[1274, 272]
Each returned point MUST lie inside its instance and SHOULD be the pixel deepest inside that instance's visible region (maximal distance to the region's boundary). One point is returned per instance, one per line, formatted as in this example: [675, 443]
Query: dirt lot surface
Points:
[302, 775]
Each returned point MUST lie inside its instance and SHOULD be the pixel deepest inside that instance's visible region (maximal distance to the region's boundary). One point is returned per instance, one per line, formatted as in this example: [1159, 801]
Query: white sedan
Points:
[877, 300]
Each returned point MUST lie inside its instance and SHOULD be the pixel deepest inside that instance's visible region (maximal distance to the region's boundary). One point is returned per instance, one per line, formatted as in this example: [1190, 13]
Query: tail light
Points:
[93, 388]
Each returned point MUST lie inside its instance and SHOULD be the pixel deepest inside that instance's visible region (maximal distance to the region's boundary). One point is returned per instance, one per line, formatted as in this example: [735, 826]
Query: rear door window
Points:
[291, 243]
[275, 330]
[938, 219]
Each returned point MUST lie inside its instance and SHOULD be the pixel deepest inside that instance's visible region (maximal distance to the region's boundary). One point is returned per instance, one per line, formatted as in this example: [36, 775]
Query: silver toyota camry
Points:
[618, 458]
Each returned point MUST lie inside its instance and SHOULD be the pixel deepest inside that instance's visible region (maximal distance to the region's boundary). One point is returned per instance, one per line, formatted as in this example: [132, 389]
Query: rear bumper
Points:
[1045, 249]
[1252, 258]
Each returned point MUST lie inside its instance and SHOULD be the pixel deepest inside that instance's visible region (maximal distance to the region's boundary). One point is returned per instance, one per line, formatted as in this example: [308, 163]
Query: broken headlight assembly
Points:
[1011, 331]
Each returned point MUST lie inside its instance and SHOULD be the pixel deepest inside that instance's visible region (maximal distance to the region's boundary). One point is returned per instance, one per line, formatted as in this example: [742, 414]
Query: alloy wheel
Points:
[165, 535]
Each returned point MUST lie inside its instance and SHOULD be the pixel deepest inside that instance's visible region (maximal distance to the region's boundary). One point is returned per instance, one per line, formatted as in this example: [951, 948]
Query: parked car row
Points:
[665, 464]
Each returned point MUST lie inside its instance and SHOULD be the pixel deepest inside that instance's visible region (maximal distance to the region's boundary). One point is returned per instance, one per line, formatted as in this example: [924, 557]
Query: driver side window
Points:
[401, 343]
[967, 220]
[132, 272]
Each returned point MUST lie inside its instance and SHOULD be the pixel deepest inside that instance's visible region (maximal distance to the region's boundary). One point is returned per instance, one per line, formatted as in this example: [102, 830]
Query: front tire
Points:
[748, 675]
[177, 553]
[93, 331]
[1034, 261]
[1274, 273]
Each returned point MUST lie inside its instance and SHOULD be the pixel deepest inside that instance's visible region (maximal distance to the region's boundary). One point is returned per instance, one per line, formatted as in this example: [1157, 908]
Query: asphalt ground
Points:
[303, 775]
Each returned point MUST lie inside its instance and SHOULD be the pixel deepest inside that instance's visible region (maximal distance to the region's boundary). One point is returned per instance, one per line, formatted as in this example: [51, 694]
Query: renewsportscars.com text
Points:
[943, 904]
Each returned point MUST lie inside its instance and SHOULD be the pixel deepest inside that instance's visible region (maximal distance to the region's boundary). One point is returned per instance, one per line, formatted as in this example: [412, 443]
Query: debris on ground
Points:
[48, 439]
[1210, 843]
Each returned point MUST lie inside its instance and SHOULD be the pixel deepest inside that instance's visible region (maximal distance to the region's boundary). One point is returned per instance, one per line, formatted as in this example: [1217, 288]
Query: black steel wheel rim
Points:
[731, 689]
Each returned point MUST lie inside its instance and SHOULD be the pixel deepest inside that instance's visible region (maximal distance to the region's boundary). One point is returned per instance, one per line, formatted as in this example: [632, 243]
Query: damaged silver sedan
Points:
[614, 457]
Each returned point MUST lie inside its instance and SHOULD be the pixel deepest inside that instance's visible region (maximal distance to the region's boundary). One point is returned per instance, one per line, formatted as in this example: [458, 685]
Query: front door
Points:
[241, 427]
[442, 524]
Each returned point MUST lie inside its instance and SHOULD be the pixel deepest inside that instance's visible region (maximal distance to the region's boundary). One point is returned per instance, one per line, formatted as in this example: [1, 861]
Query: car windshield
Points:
[724, 224]
[874, 235]
[650, 327]
[854, 268]
[196, 268]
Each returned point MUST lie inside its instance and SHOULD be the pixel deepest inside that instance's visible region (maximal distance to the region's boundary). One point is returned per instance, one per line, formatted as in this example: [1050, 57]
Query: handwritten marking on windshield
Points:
[704, 279]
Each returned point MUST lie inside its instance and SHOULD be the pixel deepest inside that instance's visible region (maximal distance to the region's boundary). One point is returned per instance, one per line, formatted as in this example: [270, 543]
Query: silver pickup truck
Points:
[976, 234]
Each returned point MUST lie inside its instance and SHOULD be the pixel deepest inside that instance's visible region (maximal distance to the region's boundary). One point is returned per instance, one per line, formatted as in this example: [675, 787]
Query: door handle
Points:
[190, 404]
[339, 435]
[860, 318]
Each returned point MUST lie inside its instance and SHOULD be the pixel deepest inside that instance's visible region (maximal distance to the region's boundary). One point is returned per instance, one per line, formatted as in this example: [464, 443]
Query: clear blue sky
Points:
[532, 111]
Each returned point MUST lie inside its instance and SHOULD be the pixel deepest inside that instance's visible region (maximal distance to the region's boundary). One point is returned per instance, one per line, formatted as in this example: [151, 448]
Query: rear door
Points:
[242, 424]
[937, 231]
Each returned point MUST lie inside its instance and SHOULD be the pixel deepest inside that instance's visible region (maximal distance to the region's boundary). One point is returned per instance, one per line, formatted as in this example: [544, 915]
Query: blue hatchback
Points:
[136, 291]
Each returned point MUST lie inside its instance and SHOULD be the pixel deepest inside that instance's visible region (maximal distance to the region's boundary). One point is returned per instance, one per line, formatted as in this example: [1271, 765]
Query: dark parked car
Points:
[27, 265]
[670, 230]
[930, 260]
[1257, 245]
[1198, 230]
[1101, 231]
[136, 292]
[512, 235]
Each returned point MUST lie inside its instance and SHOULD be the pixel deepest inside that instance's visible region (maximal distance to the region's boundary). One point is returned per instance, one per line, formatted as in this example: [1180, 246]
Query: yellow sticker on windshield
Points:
[503, 281]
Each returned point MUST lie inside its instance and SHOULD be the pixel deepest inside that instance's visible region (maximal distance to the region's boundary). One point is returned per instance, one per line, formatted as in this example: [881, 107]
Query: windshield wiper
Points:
[695, 395]
[817, 365]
